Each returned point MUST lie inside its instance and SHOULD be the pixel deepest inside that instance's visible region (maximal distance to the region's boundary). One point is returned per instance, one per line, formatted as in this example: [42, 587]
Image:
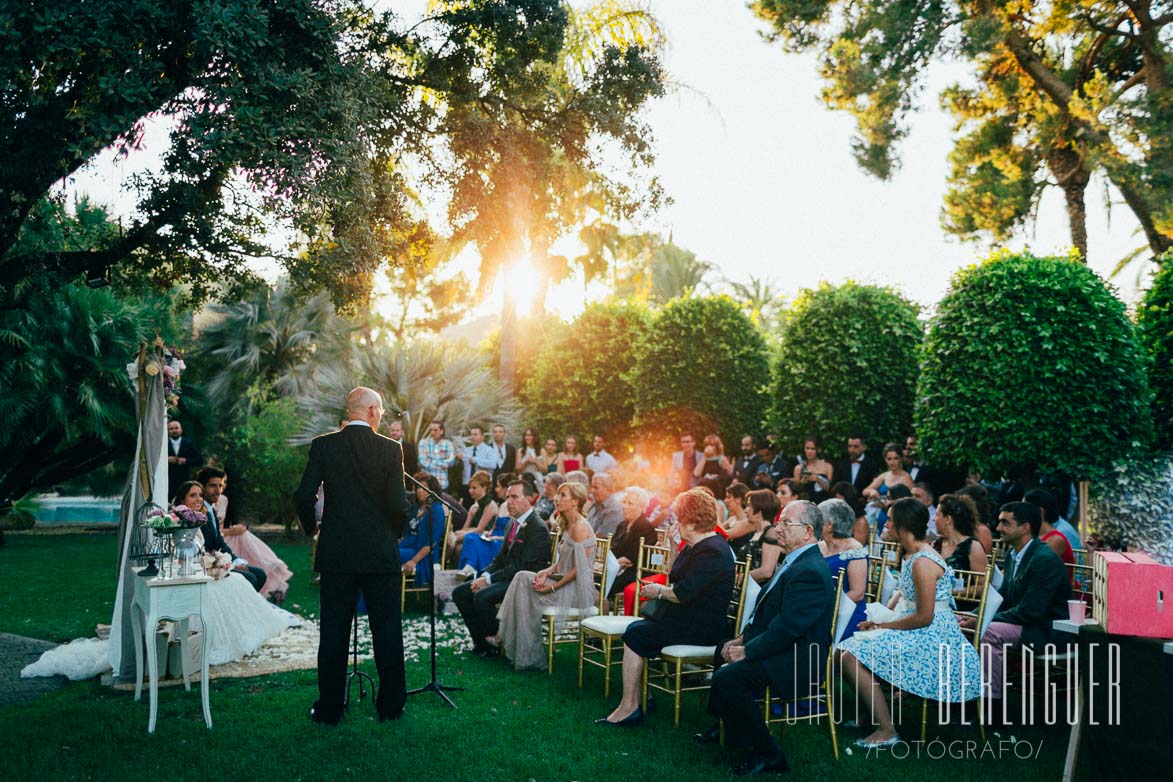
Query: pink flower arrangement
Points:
[217, 564]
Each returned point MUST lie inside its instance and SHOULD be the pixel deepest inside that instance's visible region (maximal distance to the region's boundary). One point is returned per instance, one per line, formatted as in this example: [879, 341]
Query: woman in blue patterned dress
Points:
[922, 651]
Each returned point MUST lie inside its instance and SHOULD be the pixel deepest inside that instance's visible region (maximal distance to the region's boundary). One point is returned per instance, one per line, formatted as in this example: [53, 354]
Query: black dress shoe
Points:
[630, 721]
[322, 719]
[710, 736]
[762, 764]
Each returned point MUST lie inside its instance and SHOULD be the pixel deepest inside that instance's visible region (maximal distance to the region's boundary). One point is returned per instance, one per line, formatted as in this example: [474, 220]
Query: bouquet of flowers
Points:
[172, 367]
[217, 564]
[179, 517]
[189, 518]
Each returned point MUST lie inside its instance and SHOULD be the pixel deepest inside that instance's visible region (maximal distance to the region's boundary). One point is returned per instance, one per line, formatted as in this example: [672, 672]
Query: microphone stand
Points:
[433, 685]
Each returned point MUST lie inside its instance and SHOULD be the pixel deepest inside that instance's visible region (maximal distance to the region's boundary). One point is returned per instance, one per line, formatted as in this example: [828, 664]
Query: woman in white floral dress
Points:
[920, 651]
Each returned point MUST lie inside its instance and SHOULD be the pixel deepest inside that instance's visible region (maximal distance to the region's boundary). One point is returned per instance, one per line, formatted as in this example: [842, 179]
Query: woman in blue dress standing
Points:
[921, 650]
[420, 545]
[843, 551]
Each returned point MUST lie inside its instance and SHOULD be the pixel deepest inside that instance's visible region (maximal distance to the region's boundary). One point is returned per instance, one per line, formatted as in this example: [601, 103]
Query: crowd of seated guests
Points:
[529, 540]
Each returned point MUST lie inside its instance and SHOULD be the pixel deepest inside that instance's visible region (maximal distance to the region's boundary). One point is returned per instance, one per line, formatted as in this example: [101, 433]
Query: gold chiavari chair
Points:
[560, 625]
[407, 580]
[882, 556]
[597, 635]
[667, 672]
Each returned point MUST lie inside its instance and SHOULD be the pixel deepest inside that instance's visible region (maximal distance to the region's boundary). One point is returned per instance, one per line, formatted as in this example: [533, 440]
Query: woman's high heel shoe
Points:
[630, 721]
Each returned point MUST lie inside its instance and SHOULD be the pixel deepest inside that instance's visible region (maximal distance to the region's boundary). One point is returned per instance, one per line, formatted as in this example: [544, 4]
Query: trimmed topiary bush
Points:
[580, 382]
[1031, 364]
[1155, 318]
[847, 361]
[703, 366]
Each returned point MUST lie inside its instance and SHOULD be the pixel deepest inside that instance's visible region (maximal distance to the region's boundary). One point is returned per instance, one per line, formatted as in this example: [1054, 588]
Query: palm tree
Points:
[270, 343]
[759, 298]
[677, 272]
[421, 381]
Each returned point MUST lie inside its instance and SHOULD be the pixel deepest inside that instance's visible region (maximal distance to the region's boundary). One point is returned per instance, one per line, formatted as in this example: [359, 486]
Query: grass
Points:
[509, 726]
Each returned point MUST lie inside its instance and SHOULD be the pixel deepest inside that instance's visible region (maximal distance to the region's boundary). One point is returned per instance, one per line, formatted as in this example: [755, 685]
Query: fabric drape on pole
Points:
[147, 482]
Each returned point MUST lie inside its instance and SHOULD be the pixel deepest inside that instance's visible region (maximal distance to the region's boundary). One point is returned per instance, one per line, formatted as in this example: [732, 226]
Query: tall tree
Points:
[1100, 69]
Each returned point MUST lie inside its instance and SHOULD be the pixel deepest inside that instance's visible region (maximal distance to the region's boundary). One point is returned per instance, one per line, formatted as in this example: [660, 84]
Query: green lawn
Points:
[509, 726]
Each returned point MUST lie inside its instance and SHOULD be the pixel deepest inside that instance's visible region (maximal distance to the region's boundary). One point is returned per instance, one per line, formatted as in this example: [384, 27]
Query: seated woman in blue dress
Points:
[842, 551]
[920, 651]
[420, 545]
[700, 585]
[477, 551]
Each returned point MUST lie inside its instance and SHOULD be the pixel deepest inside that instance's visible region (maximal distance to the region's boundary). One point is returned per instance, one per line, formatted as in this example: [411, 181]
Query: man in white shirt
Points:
[599, 460]
[477, 455]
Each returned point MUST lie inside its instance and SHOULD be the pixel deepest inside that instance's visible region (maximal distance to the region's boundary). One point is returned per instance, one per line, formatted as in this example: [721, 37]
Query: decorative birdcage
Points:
[145, 544]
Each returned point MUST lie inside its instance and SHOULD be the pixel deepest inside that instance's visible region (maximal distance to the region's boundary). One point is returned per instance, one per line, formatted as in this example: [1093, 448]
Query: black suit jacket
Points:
[530, 551]
[178, 473]
[1035, 592]
[791, 628]
[510, 463]
[868, 470]
[366, 506]
[213, 540]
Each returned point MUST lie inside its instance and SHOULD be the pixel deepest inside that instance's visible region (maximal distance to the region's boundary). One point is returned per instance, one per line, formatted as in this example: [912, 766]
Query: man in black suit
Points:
[182, 456]
[784, 644]
[858, 468]
[212, 479]
[526, 547]
[361, 473]
[506, 454]
[1035, 590]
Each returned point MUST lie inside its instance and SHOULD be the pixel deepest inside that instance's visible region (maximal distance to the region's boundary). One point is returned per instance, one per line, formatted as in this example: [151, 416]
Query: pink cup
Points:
[1076, 611]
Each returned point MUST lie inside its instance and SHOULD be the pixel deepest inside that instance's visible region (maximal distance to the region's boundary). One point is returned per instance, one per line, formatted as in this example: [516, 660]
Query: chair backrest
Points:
[749, 598]
[882, 555]
[444, 541]
[736, 609]
[998, 550]
[844, 609]
[1081, 574]
[602, 574]
[971, 588]
[652, 560]
[990, 607]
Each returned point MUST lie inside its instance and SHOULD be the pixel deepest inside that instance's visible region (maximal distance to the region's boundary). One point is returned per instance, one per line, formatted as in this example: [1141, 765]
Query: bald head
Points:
[364, 404]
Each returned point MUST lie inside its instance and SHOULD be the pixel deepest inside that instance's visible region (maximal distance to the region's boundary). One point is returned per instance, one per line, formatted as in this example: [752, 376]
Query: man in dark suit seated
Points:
[212, 479]
[784, 644]
[526, 547]
[361, 475]
[1035, 590]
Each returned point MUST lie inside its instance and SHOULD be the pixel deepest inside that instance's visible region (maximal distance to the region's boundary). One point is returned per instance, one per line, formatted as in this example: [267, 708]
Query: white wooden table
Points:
[176, 599]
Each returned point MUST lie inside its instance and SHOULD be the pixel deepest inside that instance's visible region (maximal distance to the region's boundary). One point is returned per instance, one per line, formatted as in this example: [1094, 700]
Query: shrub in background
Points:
[1155, 319]
[1031, 364]
[847, 361]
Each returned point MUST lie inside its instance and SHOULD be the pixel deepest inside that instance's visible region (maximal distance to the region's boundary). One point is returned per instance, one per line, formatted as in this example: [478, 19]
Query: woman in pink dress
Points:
[248, 546]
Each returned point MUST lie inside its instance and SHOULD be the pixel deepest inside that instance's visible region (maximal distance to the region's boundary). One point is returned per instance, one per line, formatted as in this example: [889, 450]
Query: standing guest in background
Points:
[625, 541]
[366, 509]
[606, 511]
[395, 432]
[527, 460]
[545, 506]
[476, 456]
[182, 456]
[526, 547]
[895, 474]
[715, 470]
[598, 460]
[570, 460]
[437, 454]
[684, 464]
[747, 464]
[813, 471]
[245, 544]
[506, 453]
[858, 468]
[549, 457]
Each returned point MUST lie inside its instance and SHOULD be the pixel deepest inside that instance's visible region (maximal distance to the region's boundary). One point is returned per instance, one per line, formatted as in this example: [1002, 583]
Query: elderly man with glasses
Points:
[786, 638]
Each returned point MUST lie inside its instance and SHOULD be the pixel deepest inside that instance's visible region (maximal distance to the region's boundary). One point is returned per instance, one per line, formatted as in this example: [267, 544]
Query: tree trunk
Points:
[1068, 168]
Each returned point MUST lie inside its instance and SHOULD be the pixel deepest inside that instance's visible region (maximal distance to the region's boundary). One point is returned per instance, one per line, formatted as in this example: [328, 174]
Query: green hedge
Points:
[581, 379]
[1032, 363]
[846, 361]
[702, 366]
[1155, 318]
